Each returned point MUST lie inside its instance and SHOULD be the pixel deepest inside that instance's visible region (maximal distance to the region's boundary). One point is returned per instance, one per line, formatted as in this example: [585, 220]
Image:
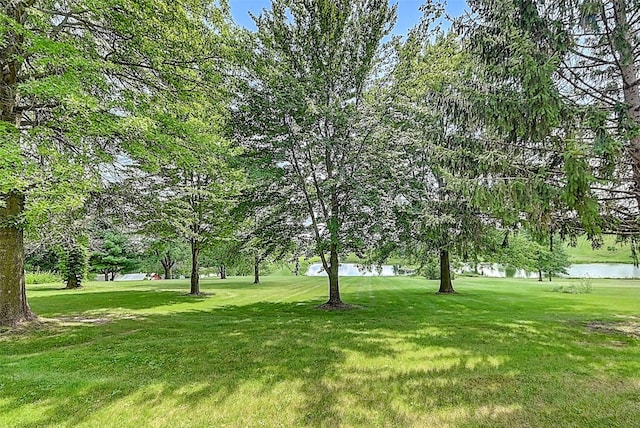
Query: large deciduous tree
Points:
[73, 76]
[310, 110]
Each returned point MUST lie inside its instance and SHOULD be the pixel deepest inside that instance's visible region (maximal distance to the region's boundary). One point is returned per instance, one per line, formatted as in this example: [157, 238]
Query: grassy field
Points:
[500, 353]
[609, 252]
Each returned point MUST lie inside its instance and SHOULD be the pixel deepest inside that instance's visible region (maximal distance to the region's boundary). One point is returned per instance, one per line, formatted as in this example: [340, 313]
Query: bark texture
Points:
[167, 264]
[445, 273]
[13, 297]
[256, 270]
[630, 84]
[195, 269]
[334, 287]
[73, 281]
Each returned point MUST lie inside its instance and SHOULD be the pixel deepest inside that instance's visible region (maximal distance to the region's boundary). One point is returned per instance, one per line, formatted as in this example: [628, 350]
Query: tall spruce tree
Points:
[565, 93]
[438, 151]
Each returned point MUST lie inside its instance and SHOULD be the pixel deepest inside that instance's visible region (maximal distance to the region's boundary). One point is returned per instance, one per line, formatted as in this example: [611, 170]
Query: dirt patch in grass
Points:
[201, 294]
[41, 323]
[628, 328]
[338, 307]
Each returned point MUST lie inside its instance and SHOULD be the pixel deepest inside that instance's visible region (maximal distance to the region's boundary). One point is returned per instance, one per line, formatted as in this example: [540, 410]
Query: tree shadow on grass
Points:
[461, 362]
[54, 305]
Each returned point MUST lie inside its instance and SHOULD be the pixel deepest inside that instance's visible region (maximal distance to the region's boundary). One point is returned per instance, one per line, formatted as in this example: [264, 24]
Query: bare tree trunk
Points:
[167, 264]
[195, 269]
[256, 270]
[13, 296]
[445, 273]
[334, 287]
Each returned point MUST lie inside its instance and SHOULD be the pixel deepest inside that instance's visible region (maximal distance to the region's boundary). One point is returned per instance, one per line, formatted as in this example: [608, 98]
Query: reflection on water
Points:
[591, 270]
[352, 269]
[604, 270]
[495, 270]
[491, 270]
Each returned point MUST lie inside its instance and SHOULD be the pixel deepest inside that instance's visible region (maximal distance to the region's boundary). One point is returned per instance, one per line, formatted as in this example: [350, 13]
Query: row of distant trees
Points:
[317, 134]
[111, 253]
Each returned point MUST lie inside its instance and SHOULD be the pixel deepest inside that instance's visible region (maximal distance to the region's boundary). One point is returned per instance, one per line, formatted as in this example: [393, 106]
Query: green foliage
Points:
[430, 267]
[584, 286]
[436, 151]
[522, 252]
[164, 254]
[73, 263]
[42, 277]
[41, 260]
[113, 255]
[83, 84]
[559, 73]
[308, 117]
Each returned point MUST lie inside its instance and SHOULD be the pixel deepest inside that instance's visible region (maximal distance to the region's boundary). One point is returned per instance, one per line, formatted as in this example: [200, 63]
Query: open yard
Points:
[499, 353]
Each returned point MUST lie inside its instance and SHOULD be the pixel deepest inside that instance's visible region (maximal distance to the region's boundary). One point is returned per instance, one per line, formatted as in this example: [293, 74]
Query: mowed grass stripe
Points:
[499, 353]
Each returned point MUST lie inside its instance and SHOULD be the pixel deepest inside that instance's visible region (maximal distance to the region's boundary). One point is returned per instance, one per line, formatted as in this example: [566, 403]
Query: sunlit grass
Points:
[608, 252]
[499, 353]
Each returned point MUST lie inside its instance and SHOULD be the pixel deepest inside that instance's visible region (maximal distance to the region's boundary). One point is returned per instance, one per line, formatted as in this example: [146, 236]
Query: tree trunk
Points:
[550, 250]
[195, 269]
[256, 270]
[167, 264]
[73, 282]
[167, 272]
[630, 82]
[539, 275]
[113, 275]
[223, 272]
[13, 297]
[106, 276]
[334, 287]
[445, 273]
[296, 272]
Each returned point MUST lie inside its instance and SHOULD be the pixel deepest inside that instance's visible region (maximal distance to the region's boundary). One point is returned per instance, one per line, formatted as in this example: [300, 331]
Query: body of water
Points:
[353, 269]
[604, 270]
[490, 270]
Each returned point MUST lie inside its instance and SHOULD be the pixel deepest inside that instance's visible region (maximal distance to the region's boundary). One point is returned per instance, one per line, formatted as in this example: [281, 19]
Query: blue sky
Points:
[408, 13]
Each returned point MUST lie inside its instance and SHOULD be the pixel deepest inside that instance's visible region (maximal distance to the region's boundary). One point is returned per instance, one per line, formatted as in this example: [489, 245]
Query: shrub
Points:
[584, 286]
[42, 277]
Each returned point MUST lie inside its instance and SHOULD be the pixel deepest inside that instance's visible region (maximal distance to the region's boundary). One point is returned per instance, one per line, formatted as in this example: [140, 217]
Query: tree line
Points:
[317, 134]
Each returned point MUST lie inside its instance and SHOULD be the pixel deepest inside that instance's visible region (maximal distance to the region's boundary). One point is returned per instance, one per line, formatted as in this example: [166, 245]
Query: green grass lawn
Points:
[501, 353]
[609, 252]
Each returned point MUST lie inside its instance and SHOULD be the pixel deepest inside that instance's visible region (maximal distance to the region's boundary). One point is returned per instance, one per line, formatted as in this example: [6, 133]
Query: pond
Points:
[590, 270]
[604, 270]
[353, 269]
[491, 270]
